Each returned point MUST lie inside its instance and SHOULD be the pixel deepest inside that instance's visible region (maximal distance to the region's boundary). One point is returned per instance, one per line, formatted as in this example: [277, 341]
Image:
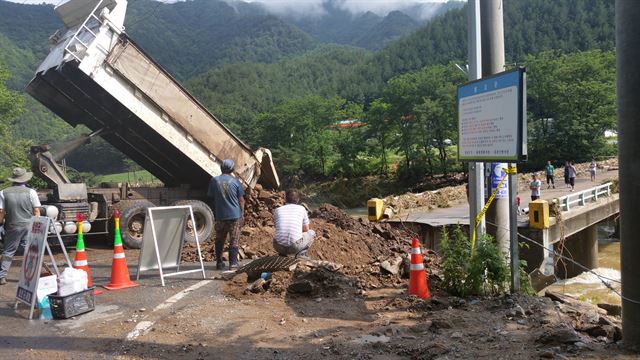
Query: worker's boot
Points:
[219, 263]
[233, 258]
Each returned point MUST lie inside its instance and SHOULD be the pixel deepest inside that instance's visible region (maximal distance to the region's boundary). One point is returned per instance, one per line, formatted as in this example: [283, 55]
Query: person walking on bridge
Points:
[535, 186]
[593, 166]
[572, 175]
[566, 174]
[227, 195]
[18, 204]
[549, 171]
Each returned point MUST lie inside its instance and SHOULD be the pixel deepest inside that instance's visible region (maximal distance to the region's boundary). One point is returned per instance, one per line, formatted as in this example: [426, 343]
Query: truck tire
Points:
[204, 221]
[132, 217]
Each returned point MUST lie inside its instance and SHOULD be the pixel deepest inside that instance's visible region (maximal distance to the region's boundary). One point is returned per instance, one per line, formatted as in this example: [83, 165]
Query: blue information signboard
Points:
[492, 118]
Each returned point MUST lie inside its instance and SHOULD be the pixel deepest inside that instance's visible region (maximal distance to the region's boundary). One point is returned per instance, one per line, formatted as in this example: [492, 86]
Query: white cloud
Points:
[311, 7]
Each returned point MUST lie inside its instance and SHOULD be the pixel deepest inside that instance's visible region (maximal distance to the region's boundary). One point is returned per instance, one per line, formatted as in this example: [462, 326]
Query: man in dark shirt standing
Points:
[227, 195]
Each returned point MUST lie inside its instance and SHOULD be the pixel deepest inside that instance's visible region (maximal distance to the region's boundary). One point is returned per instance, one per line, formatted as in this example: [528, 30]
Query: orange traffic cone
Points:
[417, 275]
[80, 260]
[119, 271]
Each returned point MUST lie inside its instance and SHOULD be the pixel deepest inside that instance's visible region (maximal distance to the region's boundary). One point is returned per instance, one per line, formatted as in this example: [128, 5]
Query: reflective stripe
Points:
[416, 250]
[80, 263]
[81, 250]
[118, 256]
[416, 267]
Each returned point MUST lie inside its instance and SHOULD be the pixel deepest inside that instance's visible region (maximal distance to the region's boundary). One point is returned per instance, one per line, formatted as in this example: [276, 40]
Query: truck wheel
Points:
[204, 221]
[132, 217]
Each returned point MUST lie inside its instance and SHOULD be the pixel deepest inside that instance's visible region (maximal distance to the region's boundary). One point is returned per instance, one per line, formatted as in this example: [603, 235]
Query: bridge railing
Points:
[582, 197]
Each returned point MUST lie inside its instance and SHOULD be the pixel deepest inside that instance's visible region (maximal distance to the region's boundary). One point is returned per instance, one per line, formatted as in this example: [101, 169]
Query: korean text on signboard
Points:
[32, 260]
[491, 118]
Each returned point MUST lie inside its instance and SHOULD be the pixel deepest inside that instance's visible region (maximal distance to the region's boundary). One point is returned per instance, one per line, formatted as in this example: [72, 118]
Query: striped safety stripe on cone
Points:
[119, 271]
[417, 275]
[80, 260]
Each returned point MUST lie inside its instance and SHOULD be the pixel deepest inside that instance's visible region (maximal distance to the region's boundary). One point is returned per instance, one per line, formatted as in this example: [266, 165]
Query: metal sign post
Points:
[492, 128]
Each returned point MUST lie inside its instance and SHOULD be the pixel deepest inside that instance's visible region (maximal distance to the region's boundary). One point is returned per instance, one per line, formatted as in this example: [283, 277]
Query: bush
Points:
[484, 272]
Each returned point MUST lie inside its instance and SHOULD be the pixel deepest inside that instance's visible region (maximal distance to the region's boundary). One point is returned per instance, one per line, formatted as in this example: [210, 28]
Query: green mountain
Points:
[240, 60]
[190, 37]
[531, 26]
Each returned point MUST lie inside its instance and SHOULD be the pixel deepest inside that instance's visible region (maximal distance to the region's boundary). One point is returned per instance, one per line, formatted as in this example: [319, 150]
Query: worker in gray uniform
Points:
[18, 204]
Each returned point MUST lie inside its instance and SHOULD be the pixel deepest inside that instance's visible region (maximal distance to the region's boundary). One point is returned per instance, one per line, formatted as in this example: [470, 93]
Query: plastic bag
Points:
[72, 281]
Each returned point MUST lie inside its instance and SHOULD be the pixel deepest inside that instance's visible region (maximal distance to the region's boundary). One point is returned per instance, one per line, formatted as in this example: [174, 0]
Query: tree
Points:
[380, 128]
[423, 107]
[12, 152]
[300, 133]
[571, 103]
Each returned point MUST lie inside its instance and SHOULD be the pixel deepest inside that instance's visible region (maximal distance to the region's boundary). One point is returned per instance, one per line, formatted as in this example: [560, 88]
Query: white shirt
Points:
[288, 220]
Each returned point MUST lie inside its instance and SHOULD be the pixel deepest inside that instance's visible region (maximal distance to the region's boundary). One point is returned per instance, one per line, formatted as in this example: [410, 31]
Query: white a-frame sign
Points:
[31, 267]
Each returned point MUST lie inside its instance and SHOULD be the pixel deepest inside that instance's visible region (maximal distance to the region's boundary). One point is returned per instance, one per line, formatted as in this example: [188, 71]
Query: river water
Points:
[587, 286]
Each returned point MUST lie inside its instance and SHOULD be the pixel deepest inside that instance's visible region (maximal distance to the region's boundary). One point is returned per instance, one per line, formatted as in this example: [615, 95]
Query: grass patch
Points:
[137, 177]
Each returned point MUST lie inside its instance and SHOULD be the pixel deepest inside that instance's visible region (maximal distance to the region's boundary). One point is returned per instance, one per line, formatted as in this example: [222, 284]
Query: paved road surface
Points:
[459, 213]
[119, 315]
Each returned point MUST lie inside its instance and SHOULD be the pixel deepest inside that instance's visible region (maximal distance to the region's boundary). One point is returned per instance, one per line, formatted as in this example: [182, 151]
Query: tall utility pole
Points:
[492, 63]
[627, 13]
[476, 169]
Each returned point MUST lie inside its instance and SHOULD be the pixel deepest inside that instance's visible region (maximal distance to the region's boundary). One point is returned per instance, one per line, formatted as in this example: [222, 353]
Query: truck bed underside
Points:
[78, 99]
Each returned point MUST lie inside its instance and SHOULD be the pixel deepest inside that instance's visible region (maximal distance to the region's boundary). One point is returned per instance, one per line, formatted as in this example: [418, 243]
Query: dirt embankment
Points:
[364, 267]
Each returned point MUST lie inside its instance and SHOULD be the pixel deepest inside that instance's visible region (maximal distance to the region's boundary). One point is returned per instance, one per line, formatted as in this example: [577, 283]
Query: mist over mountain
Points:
[191, 37]
[240, 59]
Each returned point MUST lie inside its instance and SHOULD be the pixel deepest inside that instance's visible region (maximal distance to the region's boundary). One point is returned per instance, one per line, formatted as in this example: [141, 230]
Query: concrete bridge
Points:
[572, 232]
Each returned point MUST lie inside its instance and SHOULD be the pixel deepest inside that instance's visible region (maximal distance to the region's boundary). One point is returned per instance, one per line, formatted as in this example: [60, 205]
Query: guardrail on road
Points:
[582, 197]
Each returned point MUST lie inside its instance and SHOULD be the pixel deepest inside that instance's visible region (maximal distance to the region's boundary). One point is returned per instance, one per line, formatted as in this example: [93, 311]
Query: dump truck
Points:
[96, 76]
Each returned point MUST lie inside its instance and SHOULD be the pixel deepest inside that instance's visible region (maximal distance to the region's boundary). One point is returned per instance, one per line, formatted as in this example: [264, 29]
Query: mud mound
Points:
[336, 216]
[431, 199]
[367, 255]
[259, 206]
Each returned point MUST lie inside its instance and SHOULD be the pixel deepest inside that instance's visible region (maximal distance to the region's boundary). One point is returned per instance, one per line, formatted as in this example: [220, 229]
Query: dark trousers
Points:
[14, 238]
[224, 229]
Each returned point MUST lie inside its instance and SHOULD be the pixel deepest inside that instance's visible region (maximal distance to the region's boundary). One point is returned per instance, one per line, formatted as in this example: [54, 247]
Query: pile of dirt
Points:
[369, 255]
[259, 206]
[351, 256]
[441, 198]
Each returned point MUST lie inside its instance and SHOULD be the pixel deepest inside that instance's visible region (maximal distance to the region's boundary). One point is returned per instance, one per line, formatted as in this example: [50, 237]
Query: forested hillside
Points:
[246, 65]
[531, 26]
[190, 37]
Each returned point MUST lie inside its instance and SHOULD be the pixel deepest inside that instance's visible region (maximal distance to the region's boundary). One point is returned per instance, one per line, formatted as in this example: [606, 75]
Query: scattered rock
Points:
[613, 310]
[456, 335]
[559, 336]
[519, 311]
[421, 327]
[391, 266]
[441, 324]
[301, 287]
[257, 286]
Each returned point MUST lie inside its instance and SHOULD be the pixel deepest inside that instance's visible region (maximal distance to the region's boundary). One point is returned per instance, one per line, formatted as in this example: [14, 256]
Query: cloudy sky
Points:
[305, 6]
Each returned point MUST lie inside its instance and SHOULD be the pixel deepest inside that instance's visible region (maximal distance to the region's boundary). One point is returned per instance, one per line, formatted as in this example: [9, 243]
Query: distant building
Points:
[350, 123]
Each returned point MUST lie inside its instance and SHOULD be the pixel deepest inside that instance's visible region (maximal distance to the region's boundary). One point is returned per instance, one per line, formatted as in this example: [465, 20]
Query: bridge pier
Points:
[582, 248]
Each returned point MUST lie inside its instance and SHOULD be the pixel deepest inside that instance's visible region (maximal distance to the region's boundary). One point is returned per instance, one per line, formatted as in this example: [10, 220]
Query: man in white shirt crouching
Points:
[293, 236]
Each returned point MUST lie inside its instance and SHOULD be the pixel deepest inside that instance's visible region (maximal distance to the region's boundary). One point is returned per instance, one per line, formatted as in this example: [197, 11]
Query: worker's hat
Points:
[227, 165]
[20, 175]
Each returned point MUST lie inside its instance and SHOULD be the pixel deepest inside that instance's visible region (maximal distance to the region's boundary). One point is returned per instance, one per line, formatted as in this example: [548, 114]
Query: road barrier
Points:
[582, 197]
